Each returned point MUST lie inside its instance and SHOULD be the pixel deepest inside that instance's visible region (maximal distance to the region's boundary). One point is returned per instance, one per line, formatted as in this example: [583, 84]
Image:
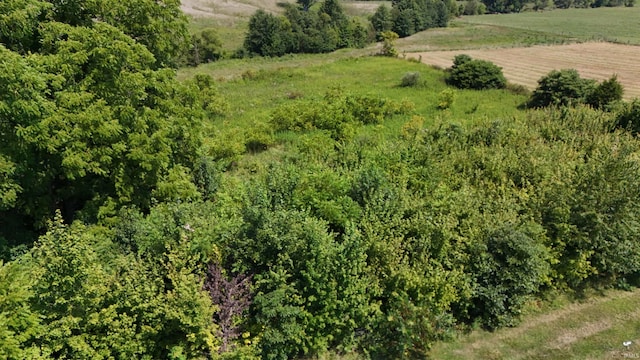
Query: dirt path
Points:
[525, 66]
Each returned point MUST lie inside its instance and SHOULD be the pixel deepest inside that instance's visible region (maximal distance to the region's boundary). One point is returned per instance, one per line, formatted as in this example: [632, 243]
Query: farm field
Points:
[526, 65]
[618, 24]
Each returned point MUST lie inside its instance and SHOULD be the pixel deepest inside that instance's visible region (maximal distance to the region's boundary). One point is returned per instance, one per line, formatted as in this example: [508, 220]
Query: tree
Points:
[561, 88]
[306, 4]
[205, 47]
[382, 20]
[94, 126]
[268, 35]
[95, 302]
[504, 6]
[605, 93]
[160, 26]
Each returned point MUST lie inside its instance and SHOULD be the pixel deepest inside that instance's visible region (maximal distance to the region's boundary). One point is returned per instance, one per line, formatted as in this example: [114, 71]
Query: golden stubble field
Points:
[524, 66]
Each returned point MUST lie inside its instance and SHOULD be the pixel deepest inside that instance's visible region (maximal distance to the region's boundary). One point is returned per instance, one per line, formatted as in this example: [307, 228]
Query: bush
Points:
[607, 92]
[561, 88]
[388, 48]
[410, 79]
[205, 47]
[629, 117]
[446, 98]
[468, 73]
[509, 266]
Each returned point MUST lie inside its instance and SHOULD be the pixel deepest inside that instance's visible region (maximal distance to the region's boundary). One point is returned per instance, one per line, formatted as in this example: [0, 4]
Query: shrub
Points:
[410, 79]
[605, 93]
[446, 98]
[205, 47]
[388, 48]
[629, 117]
[509, 266]
[468, 73]
[561, 88]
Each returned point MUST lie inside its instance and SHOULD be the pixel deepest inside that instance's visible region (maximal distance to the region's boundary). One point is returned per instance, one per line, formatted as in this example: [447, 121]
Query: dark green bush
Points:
[629, 117]
[561, 88]
[508, 267]
[410, 79]
[468, 73]
[606, 93]
[205, 47]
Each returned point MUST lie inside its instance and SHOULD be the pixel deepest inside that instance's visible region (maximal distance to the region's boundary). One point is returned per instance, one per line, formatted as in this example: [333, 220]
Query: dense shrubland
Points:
[124, 236]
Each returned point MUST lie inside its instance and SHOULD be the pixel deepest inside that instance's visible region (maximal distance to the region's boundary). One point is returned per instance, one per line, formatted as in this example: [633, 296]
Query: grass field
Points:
[619, 24]
[590, 329]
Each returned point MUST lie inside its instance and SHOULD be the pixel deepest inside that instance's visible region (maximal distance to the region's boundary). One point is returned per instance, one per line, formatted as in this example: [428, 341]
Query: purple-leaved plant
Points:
[232, 296]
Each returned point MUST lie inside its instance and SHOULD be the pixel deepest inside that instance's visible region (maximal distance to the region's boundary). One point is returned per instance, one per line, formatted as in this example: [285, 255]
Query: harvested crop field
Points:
[526, 65]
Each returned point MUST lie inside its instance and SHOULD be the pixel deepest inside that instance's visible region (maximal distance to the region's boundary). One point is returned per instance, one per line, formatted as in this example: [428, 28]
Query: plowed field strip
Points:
[525, 66]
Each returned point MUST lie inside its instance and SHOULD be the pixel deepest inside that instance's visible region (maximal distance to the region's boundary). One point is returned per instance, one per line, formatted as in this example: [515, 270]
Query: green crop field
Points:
[618, 24]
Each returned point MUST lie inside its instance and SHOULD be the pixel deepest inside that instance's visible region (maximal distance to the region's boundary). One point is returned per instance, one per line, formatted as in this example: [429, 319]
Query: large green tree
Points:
[159, 26]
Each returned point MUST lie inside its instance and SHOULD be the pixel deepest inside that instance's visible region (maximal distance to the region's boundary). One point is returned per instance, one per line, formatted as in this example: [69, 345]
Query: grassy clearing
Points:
[260, 85]
[619, 25]
[590, 329]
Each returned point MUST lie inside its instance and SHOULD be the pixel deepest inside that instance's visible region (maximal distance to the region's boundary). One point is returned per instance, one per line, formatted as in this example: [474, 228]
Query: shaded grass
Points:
[590, 329]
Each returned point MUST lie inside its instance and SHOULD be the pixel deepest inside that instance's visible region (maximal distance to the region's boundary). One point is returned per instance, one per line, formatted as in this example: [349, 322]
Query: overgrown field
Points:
[301, 206]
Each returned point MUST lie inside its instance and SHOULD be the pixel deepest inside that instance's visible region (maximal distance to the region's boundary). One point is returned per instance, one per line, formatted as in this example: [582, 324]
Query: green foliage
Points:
[310, 286]
[467, 73]
[96, 302]
[19, 324]
[504, 6]
[161, 28]
[561, 88]
[109, 128]
[605, 93]
[629, 117]
[303, 31]
[567, 88]
[338, 113]
[268, 35]
[382, 21]
[410, 16]
[388, 47]
[205, 47]
[474, 7]
[410, 79]
[446, 99]
[509, 266]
